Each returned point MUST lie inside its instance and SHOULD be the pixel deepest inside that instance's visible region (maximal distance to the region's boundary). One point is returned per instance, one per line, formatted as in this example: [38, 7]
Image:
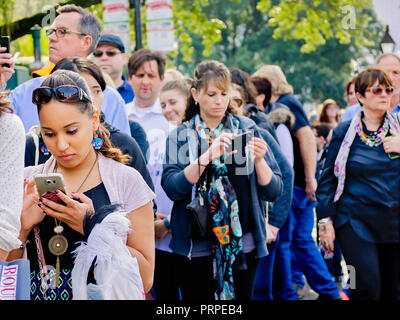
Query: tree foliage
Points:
[313, 41]
[249, 41]
[316, 21]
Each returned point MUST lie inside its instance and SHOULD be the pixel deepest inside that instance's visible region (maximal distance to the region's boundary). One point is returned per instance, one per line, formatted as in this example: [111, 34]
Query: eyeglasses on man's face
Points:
[99, 53]
[61, 32]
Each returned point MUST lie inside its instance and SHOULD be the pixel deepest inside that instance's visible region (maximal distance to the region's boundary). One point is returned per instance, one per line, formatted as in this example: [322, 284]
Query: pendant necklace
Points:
[58, 244]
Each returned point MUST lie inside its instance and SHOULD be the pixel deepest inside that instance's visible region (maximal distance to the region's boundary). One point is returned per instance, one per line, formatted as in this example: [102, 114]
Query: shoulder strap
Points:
[34, 133]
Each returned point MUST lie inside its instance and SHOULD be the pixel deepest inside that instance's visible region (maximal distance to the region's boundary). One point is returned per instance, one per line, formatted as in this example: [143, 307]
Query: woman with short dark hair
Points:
[358, 192]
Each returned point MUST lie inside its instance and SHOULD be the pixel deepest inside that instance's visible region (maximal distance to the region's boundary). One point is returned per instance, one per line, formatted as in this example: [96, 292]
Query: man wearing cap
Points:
[110, 57]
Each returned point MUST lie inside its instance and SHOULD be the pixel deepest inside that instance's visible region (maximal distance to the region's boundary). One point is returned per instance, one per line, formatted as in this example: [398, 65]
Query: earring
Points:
[97, 143]
[44, 150]
[196, 103]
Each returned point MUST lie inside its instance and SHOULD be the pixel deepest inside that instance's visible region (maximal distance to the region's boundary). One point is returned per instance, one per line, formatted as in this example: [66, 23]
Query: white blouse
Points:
[12, 149]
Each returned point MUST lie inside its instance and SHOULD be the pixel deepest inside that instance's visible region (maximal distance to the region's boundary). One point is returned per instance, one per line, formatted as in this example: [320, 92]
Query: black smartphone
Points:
[240, 141]
[5, 43]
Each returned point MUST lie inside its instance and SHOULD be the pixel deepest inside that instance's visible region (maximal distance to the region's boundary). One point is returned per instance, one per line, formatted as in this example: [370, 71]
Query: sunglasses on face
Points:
[378, 91]
[66, 93]
[61, 32]
[99, 54]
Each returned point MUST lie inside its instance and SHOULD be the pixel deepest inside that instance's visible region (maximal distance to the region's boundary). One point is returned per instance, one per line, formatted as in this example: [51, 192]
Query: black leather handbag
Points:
[199, 207]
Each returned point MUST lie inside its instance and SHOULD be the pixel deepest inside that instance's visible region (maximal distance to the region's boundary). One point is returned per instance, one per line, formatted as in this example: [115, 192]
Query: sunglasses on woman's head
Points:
[66, 93]
[378, 90]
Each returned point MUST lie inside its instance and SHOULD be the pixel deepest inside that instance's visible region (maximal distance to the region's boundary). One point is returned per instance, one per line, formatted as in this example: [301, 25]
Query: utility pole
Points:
[138, 24]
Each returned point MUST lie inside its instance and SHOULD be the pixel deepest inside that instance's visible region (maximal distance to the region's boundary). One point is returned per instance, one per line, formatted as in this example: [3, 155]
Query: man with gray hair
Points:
[74, 32]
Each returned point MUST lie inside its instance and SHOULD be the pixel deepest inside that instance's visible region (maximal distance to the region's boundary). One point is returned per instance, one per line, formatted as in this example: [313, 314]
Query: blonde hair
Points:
[275, 75]
[175, 74]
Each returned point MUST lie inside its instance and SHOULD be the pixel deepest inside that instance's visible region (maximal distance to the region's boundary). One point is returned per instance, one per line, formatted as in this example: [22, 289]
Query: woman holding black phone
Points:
[220, 265]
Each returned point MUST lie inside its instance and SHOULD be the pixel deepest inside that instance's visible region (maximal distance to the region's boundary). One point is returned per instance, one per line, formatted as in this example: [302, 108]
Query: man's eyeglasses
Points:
[66, 93]
[99, 54]
[61, 32]
[378, 91]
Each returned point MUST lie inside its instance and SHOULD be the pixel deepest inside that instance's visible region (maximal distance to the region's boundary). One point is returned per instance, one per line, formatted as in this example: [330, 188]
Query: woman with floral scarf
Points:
[220, 265]
[358, 193]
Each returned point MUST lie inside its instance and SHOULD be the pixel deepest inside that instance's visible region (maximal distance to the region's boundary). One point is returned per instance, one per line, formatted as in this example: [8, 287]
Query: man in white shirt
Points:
[146, 74]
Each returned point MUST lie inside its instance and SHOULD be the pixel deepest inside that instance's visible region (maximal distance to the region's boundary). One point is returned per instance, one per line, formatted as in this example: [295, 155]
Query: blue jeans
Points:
[264, 274]
[296, 238]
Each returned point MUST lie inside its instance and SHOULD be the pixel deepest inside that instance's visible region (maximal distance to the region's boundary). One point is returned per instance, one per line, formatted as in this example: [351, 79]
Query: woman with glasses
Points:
[358, 192]
[219, 263]
[95, 176]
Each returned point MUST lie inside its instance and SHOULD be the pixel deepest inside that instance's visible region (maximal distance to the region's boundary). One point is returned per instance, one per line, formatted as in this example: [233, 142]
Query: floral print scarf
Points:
[227, 249]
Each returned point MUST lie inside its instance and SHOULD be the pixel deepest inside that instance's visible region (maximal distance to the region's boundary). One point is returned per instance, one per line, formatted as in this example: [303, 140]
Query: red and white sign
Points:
[116, 20]
[160, 25]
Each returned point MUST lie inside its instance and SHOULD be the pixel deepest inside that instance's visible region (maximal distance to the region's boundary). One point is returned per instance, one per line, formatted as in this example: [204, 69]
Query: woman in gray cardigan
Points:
[220, 265]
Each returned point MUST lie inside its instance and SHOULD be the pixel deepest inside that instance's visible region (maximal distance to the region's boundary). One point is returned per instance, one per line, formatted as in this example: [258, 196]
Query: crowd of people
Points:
[220, 175]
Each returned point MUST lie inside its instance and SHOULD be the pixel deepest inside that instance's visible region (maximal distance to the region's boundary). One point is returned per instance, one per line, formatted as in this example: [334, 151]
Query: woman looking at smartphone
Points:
[95, 176]
[358, 192]
[94, 78]
[197, 150]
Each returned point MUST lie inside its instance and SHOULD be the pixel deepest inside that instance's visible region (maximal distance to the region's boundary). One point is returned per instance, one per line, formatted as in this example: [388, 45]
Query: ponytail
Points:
[108, 150]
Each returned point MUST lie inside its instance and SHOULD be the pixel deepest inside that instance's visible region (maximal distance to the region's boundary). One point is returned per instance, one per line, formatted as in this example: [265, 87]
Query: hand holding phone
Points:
[240, 142]
[47, 184]
[5, 43]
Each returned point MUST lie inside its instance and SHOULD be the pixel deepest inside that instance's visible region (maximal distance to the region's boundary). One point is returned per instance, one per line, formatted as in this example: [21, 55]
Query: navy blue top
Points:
[301, 121]
[241, 185]
[126, 91]
[261, 119]
[370, 199]
[138, 133]
[99, 197]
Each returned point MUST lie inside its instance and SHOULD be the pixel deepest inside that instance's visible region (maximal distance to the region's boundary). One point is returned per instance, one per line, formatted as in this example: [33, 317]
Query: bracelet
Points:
[310, 180]
[324, 222]
[23, 246]
[167, 223]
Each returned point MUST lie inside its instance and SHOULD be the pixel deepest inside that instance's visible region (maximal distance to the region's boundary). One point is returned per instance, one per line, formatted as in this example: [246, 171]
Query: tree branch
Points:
[21, 27]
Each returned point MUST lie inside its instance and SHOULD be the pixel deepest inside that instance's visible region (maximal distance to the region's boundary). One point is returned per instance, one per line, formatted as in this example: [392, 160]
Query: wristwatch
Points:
[324, 222]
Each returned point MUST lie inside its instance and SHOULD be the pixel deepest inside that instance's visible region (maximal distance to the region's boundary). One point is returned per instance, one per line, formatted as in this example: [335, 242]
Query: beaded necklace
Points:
[374, 139]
